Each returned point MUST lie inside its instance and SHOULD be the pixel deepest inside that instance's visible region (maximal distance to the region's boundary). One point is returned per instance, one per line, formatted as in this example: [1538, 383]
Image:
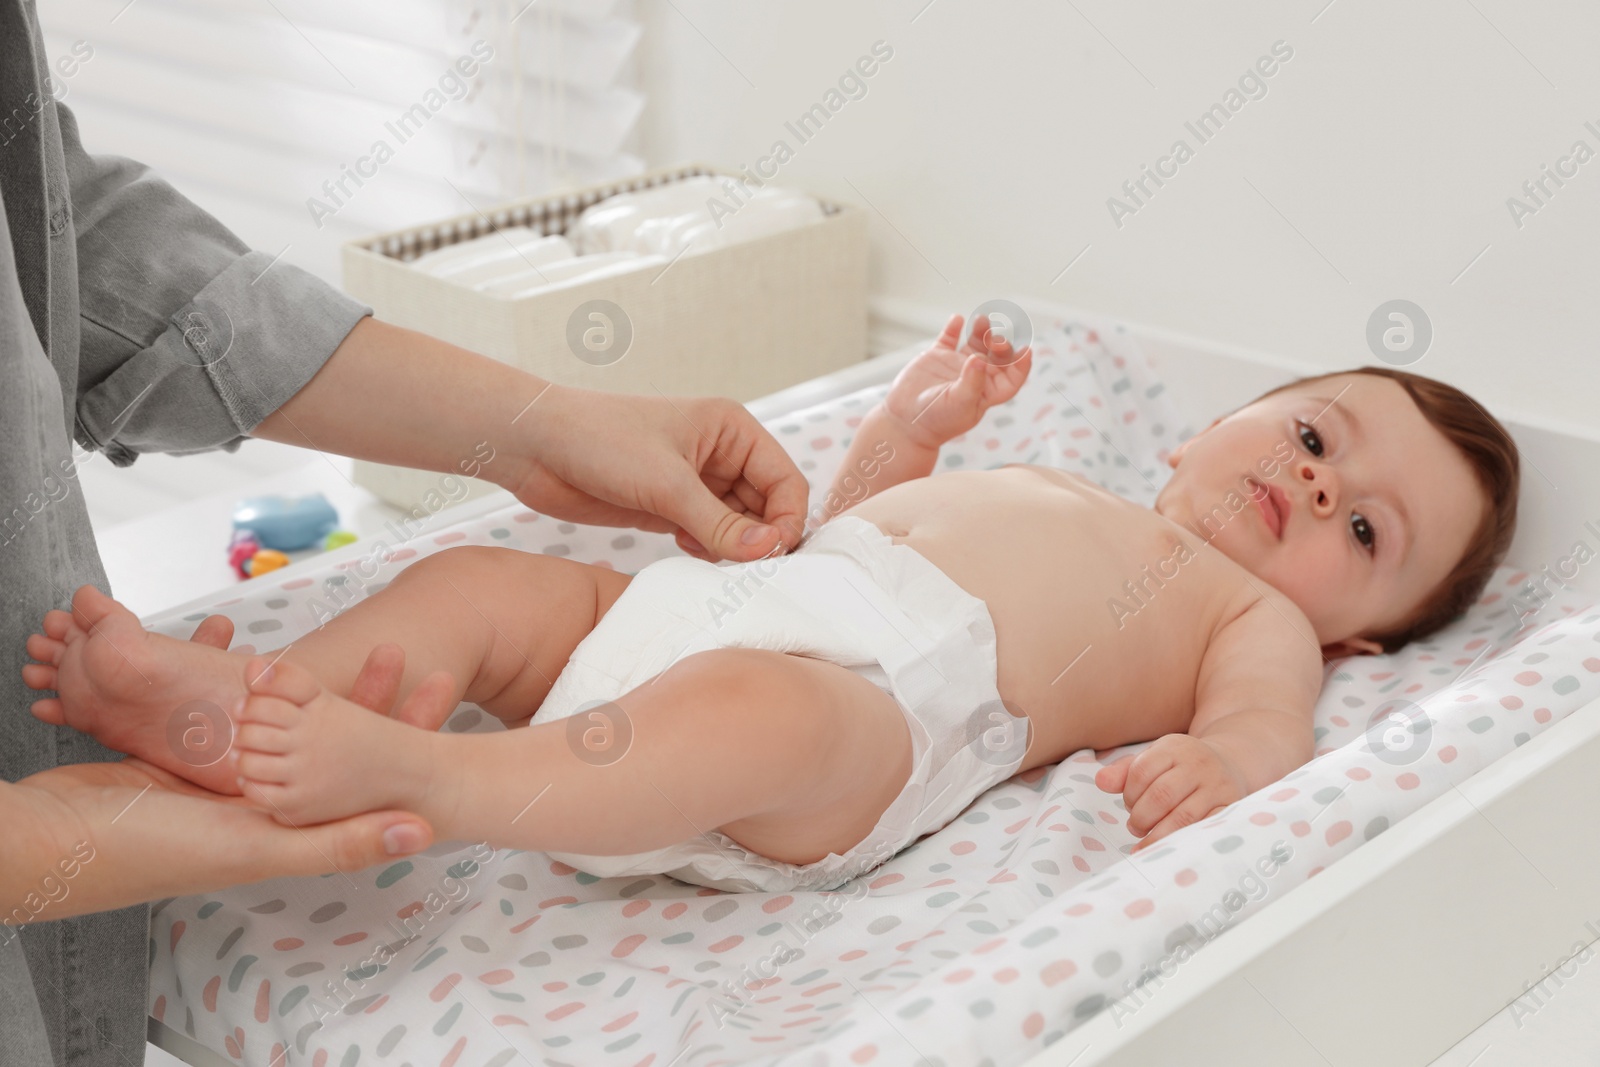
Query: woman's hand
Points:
[944, 392]
[377, 684]
[149, 834]
[129, 833]
[701, 468]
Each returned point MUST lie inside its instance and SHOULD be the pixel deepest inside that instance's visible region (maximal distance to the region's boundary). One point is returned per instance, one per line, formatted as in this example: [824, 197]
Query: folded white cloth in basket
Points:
[689, 217]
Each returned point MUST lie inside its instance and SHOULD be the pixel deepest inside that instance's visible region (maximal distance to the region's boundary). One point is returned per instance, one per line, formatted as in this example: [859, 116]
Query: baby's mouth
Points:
[1270, 501]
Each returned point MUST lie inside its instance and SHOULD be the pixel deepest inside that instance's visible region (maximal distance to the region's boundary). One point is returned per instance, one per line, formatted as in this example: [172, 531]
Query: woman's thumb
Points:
[361, 841]
[725, 533]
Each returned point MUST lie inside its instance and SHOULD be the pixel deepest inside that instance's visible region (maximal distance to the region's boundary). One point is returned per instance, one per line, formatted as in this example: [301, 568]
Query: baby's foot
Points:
[146, 694]
[306, 755]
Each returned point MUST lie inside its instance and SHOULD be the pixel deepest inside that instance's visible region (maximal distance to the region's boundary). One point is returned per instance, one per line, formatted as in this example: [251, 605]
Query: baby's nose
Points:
[1320, 481]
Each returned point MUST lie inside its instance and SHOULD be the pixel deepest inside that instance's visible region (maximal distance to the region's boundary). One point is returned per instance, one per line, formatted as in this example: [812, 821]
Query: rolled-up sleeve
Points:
[189, 339]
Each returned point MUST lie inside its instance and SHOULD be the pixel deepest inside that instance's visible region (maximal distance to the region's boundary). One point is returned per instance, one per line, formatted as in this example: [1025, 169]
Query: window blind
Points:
[303, 124]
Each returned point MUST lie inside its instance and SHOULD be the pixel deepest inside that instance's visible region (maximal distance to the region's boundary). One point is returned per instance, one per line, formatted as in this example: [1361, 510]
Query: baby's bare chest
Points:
[1102, 608]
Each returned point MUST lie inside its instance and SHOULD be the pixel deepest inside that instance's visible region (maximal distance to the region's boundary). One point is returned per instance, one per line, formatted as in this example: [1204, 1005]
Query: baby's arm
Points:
[883, 453]
[937, 396]
[1258, 684]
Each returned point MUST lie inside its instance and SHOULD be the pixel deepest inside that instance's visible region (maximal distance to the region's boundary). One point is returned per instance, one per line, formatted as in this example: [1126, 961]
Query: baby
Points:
[792, 722]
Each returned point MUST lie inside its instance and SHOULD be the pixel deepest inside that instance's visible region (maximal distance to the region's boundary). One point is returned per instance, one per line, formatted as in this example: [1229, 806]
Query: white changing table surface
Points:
[162, 549]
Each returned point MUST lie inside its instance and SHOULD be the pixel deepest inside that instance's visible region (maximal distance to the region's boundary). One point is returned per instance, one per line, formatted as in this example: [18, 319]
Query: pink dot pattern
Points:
[987, 940]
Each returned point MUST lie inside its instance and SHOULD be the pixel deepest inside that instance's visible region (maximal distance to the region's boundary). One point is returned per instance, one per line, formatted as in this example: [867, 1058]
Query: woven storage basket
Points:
[740, 321]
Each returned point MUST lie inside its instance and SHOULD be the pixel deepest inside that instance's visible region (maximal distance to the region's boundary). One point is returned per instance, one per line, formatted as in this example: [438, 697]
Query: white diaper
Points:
[851, 596]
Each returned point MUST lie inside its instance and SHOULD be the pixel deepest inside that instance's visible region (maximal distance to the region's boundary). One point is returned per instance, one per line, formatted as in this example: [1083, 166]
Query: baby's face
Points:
[1353, 504]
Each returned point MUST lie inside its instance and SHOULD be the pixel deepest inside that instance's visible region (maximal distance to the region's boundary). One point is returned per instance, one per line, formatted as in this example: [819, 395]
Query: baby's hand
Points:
[944, 392]
[1177, 781]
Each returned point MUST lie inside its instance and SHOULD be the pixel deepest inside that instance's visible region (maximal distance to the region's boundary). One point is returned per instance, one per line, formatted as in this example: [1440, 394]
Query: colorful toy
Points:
[268, 559]
[240, 549]
[265, 528]
[337, 539]
[286, 523]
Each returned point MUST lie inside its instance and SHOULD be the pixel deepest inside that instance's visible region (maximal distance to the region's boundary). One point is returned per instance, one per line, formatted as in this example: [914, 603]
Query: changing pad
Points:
[983, 942]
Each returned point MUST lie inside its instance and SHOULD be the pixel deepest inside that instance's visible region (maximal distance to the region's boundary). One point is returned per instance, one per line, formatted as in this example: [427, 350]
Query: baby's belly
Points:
[1101, 614]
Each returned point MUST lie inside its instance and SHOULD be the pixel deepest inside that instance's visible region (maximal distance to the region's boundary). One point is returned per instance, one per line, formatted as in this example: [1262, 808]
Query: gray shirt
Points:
[133, 322]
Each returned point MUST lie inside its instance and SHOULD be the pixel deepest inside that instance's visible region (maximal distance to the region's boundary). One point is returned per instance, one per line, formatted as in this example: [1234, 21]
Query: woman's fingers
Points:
[767, 467]
[378, 682]
[745, 497]
[430, 703]
[214, 630]
[691, 546]
[740, 448]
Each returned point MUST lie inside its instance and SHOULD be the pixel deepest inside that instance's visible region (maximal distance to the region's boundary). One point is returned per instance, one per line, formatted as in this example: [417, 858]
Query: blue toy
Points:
[286, 523]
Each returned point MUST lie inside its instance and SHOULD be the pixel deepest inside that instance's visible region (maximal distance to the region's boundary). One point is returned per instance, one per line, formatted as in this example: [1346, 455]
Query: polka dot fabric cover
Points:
[979, 944]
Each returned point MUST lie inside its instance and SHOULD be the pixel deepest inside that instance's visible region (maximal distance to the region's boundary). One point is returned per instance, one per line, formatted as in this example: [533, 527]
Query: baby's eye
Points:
[1311, 439]
[1364, 531]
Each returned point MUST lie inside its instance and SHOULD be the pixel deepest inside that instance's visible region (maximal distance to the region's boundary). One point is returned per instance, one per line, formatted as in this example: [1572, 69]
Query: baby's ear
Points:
[1177, 453]
[1352, 646]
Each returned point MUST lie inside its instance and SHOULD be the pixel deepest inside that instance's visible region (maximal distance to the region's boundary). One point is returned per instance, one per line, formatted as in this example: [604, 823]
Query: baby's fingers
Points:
[1191, 811]
[952, 333]
[1114, 775]
[1146, 767]
[968, 386]
[1163, 796]
[999, 348]
[1005, 381]
[978, 338]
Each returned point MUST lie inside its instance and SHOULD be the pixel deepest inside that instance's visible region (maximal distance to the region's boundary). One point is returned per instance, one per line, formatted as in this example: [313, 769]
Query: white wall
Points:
[1377, 166]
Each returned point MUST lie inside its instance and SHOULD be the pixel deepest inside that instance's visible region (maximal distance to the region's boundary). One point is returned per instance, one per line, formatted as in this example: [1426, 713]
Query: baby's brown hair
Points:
[1492, 454]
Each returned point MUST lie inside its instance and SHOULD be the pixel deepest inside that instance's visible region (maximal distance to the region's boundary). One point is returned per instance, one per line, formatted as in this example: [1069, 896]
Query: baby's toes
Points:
[264, 768]
[45, 649]
[280, 678]
[39, 675]
[50, 710]
[58, 624]
[257, 736]
[271, 712]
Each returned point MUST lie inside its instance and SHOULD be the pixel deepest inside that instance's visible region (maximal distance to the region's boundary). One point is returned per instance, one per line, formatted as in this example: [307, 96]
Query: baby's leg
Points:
[792, 757]
[499, 621]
